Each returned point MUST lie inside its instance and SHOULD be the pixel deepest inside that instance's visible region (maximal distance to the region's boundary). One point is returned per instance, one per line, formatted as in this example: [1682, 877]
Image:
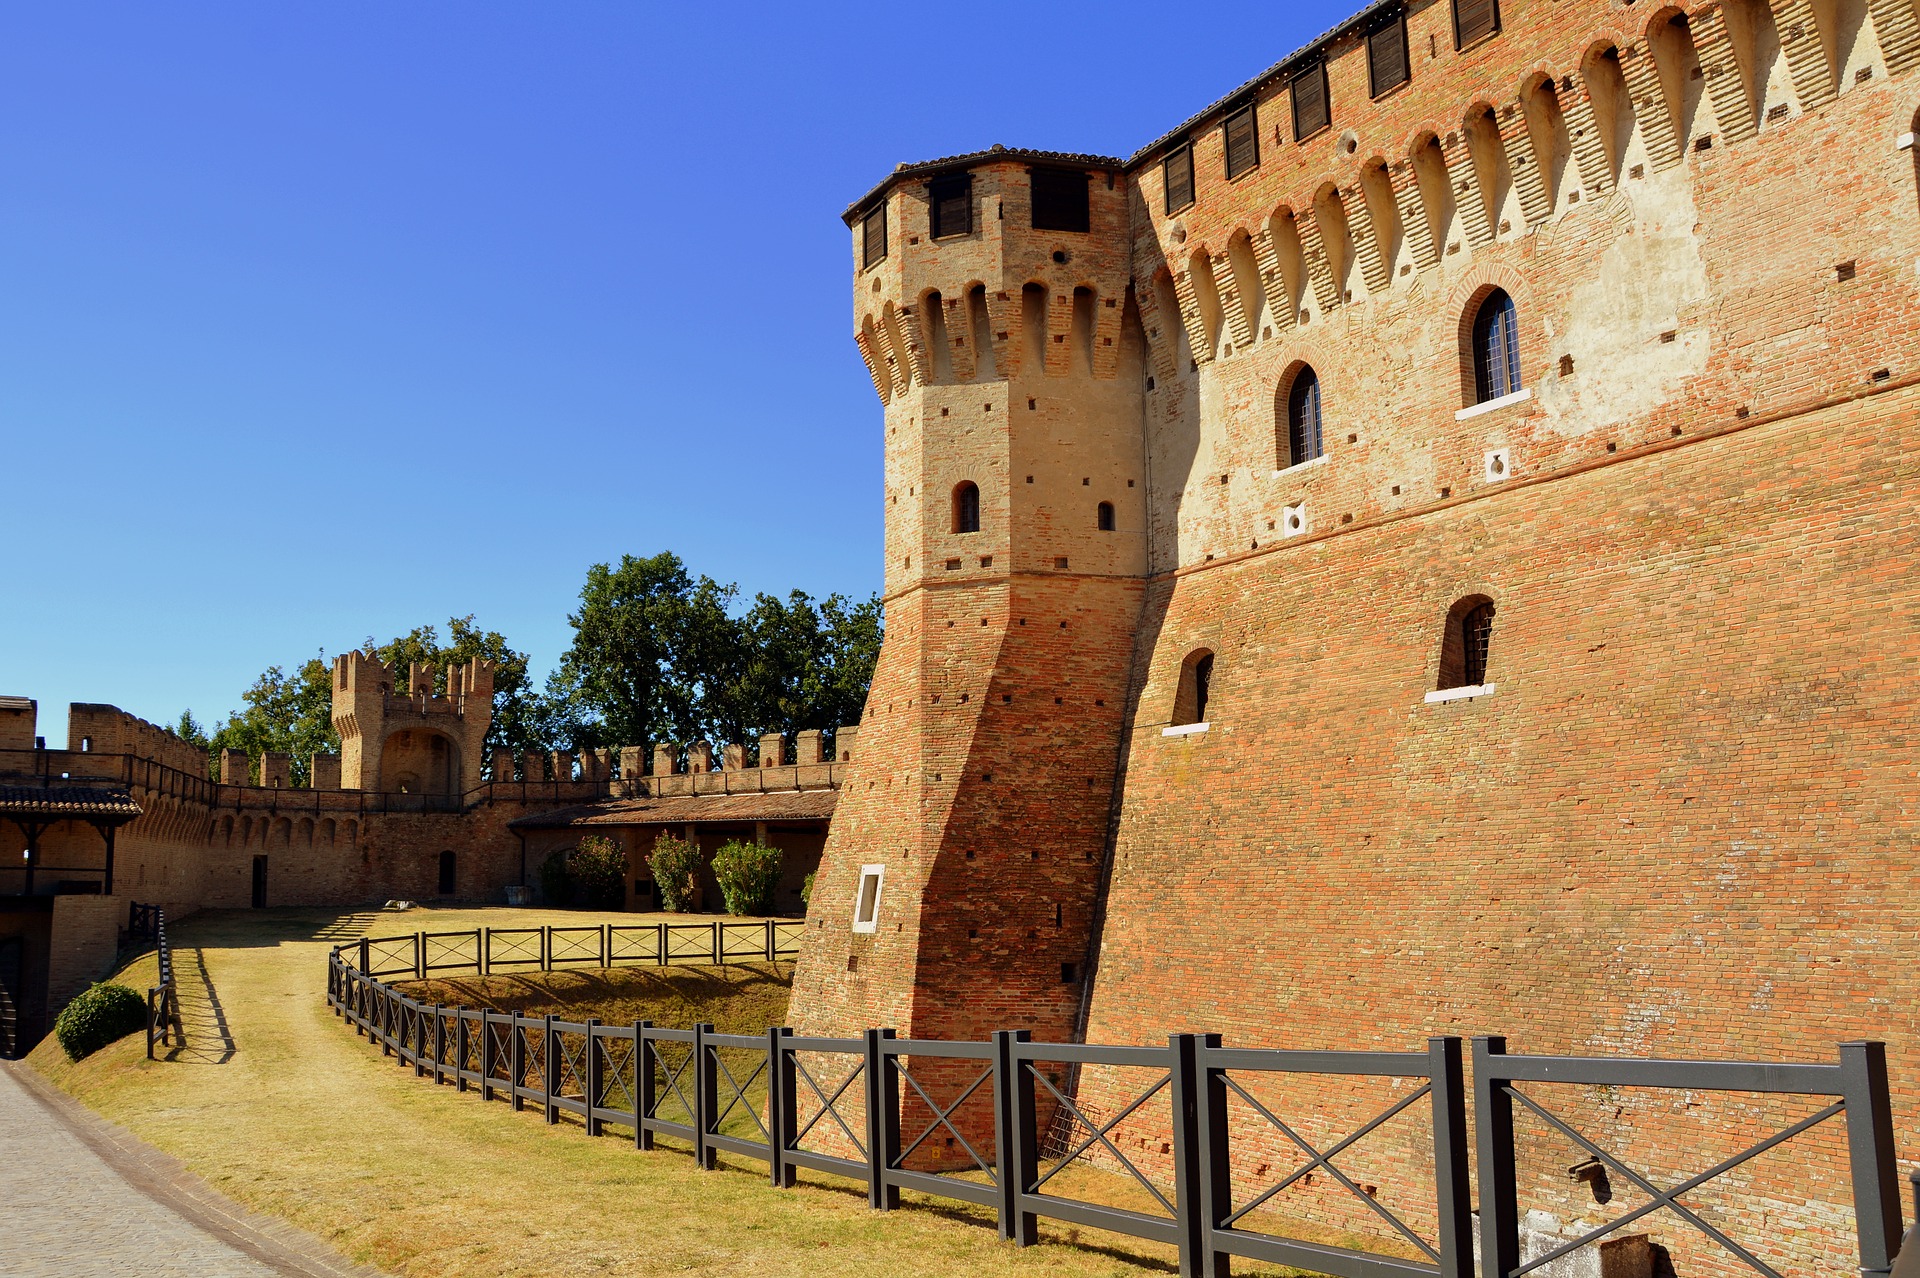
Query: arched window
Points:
[446, 874]
[1196, 680]
[966, 507]
[1303, 418]
[1105, 516]
[1496, 348]
[1465, 646]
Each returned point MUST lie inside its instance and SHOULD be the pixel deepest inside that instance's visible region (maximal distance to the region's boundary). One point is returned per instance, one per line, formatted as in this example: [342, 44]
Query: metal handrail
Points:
[149, 922]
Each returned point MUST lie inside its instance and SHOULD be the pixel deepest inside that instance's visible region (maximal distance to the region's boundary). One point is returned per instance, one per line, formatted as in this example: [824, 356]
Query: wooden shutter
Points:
[1474, 20]
[874, 236]
[1310, 113]
[1242, 141]
[1179, 179]
[1387, 56]
[951, 201]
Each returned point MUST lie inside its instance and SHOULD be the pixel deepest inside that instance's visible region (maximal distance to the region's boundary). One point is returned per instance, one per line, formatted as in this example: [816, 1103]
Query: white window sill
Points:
[1184, 729]
[1314, 461]
[1500, 401]
[1461, 694]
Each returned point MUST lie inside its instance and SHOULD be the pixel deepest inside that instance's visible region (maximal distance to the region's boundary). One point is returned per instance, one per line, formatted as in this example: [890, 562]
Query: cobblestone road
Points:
[67, 1211]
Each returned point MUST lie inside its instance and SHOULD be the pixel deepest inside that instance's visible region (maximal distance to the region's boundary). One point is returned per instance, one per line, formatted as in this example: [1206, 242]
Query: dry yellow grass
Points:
[305, 1120]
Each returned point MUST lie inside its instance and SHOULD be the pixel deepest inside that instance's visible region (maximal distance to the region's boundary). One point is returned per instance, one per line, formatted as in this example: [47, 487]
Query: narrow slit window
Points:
[1303, 418]
[1105, 516]
[1242, 136]
[1387, 67]
[1474, 20]
[1177, 169]
[1059, 200]
[966, 507]
[950, 206]
[1496, 347]
[873, 236]
[1311, 112]
[866, 903]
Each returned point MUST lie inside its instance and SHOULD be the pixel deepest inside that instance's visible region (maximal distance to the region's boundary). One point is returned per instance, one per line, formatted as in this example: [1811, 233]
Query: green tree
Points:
[648, 640]
[657, 655]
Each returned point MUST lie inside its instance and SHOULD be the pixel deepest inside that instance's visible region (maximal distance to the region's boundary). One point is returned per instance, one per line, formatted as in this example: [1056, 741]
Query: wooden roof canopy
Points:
[102, 806]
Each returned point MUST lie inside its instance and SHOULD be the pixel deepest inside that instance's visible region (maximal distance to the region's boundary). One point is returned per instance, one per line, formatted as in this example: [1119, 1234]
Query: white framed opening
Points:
[866, 902]
[1293, 520]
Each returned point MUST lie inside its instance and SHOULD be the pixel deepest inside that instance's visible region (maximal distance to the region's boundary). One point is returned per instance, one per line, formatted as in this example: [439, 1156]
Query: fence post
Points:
[1499, 1208]
[719, 950]
[1450, 1182]
[1202, 1190]
[770, 941]
[419, 956]
[592, 1080]
[661, 943]
[706, 1097]
[606, 945]
[549, 1068]
[486, 949]
[1016, 1151]
[419, 1037]
[439, 1044]
[462, 1042]
[516, 1061]
[643, 1086]
[546, 948]
[883, 1122]
[150, 1024]
[783, 1111]
[1876, 1181]
[486, 1057]
[365, 961]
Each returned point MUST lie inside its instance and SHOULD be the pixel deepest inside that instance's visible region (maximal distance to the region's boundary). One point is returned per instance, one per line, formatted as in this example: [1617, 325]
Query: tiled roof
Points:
[60, 802]
[931, 168]
[782, 805]
[1303, 54]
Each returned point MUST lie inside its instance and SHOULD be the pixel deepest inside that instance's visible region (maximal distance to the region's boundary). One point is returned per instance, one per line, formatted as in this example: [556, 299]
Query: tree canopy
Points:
[658, 654]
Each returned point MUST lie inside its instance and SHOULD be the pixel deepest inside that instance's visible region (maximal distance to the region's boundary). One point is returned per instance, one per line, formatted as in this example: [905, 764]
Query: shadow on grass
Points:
[205, 1036]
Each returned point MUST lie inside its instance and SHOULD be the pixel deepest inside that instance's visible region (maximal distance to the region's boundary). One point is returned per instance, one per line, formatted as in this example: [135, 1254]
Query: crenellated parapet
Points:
[415, 741]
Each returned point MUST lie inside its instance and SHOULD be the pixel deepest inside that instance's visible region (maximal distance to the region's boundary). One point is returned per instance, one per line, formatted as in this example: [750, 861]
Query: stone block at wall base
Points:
[1621, 1256]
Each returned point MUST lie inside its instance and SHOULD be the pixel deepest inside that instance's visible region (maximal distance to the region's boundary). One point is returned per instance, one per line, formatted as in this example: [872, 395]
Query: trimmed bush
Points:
[676, 872]
[599, 870]
[97, 1016]
[748, 874]
[806, 890]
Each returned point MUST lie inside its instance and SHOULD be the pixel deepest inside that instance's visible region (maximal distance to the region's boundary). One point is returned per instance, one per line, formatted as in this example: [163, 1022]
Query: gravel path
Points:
[82, 1198]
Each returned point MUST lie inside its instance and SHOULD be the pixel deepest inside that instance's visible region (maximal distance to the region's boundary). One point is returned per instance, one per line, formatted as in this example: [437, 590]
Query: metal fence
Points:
[873, 1108]
[149, 923]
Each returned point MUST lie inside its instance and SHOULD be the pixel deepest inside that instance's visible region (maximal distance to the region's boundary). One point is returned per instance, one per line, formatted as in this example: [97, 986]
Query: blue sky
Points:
[320, 321]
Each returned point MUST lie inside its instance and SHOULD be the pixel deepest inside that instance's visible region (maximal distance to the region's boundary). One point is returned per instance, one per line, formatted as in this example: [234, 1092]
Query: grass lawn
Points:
[280, 1105]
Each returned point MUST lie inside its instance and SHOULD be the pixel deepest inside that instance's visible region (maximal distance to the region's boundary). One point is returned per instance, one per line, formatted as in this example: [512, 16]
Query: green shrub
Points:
[556, 879]
[748, 874]
[97, 1016]
[676, 872]
[599, 870]
[806, 890]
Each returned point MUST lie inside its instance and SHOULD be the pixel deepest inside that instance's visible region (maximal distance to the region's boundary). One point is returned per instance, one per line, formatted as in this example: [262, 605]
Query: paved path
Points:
[82, 1198]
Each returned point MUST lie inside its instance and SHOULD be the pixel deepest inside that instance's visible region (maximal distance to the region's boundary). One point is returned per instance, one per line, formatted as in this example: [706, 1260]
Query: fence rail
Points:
[149, 923]
[867, 1108]
[486, 950]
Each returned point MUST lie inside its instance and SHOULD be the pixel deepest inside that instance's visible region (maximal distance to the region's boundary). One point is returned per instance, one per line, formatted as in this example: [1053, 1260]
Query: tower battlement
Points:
[414, 741]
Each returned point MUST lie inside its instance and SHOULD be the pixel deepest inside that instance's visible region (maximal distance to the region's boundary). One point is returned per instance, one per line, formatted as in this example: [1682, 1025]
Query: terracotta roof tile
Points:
[784, 805]
[60, 802]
